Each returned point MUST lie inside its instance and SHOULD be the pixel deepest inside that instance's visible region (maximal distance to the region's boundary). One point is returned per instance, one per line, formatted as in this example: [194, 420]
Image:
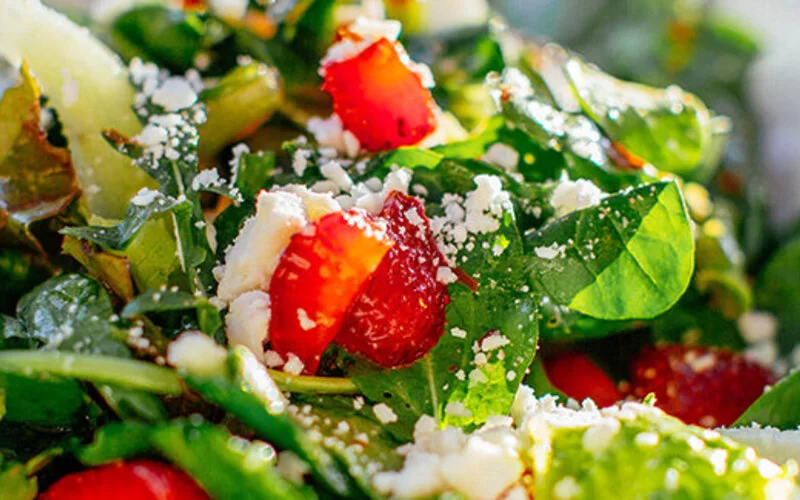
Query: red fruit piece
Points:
[699, 385]
[380, 99]
[320, 273]
[133, 480]
[577, 376]
[400, 315]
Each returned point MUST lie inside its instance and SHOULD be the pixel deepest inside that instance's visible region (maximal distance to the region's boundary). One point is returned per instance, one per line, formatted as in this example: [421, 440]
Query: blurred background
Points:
[705, 47]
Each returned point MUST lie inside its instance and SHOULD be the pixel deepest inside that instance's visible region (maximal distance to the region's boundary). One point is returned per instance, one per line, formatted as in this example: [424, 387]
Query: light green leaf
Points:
[631, 257]
[669, 128]
[16, 485]
[777, 407]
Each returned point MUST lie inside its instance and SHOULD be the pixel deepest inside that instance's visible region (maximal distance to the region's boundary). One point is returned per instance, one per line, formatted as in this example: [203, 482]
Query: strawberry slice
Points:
[320, 273]
[699, 385]
[577, 376]
[401, 314]
[133, 480]
[379, 98]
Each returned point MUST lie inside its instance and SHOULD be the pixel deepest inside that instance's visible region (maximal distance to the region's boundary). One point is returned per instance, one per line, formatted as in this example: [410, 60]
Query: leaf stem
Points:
[103, 369]
[313, 385]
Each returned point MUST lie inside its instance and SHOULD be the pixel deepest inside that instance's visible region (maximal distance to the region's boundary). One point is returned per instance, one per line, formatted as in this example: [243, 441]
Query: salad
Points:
[343, 249]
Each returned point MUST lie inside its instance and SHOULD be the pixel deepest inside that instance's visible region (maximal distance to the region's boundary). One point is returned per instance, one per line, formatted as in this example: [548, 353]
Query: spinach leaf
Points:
[16, 483]
[561, 323]
[244, 388]
[489, 341]
[46, 401]
[778, 291]
[669, 128]
[112, 270]
[163, 300]
[115, 441]
[631, 257]
[353, 436]
[224, 465]
[71, 313]
[777, 407]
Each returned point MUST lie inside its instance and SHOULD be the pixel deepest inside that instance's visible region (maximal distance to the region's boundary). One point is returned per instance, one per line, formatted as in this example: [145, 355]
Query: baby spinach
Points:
[631, 257]
[16, 483]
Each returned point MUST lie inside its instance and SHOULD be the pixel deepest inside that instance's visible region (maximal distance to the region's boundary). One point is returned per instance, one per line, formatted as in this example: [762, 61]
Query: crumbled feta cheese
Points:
[206, 179]
[292, 467]
[144, 197]
[272, 359]
[300, 161]
[551, 252]
[756, 326]
[334, 172]
[233, 9]
[457, 409]
[238, 151]
[446, 275]
[293, 366]
[330, 132]
[317, 205]
[777, 445]
[764, 353]
[485, 205]
[196, 353]
[384, 413]
[467, 472]
[369, 30]
[566, 488]
[174, 94]
[251, 261]
[570, 196]
[503, 156]
[306, 323]
[599, 436]
[458, 333]
[247, 322]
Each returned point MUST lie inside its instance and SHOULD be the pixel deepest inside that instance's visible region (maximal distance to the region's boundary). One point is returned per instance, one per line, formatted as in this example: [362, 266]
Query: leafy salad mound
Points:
[294, 253]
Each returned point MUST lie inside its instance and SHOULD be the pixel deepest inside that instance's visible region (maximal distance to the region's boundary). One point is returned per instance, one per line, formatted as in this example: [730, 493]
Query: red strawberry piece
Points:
[400, 315]
[699, 385]
[379, 98]
[577, 376]
[320, 273]
[132, 480]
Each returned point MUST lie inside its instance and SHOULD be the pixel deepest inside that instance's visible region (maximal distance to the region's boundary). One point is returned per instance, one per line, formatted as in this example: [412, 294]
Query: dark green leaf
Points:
[120, 236]
[45, 401]
[778, 291]
[561, 323]
[116, 441]
[777, 407]
[253, 172]
[71, 313]
[13, 334]
[208, 316]
[224, 465]
[246, 390]
[130, 405]
[631, 257]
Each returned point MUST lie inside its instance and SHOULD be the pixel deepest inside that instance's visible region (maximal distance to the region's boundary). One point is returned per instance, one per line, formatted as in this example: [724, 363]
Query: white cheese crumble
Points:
[570, 196]
[196, 353]
[254, 255]
[247, 322]
[445, 275]
[503, 156]
[306, 323]
[317, 205]
[757, 326]
[292, 467]
[369, 30]
[144, 197]
[233, 9]
[330, 132]
[551, 252]
[293, 366]
[777, 445]
[384, 413]
[272, 359]
[458, 333]
[174, 94]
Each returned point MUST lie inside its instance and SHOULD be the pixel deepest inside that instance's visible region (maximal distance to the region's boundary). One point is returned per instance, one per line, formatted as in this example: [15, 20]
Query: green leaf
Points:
[644, 453]
[669, 128]
[161, 300]
[167, 36]
[13, 334]
[16, 483]
[224, 465]
[777, 406]
[71, 313]
[242, 100]
[353, 436]
[116, 441]
[112, 270]
[253, 172]
[45, 401]
[561, 323]
[131, 405]
[475, 384]
[246, 390]
[118, 237]
[631, 257]
[778, 291]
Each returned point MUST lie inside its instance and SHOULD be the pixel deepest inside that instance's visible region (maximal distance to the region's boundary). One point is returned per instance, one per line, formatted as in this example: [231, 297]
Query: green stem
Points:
[100, 369]
[313, 385]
